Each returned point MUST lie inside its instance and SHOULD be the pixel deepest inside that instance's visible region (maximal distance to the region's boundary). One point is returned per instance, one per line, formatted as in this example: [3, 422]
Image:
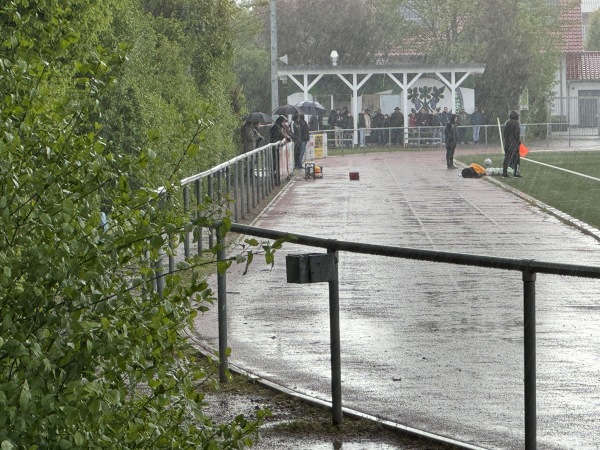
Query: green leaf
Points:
[222, 266]
[7, 445]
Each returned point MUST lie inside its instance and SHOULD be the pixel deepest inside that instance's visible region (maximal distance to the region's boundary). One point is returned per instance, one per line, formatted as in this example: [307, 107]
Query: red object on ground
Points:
[354, 176]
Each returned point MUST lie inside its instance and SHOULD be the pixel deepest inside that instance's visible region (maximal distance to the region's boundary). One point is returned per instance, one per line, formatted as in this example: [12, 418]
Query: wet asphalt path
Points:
[435, 347]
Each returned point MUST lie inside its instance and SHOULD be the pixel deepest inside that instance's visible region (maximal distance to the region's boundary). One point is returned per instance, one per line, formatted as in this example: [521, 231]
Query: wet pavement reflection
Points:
[436, 347]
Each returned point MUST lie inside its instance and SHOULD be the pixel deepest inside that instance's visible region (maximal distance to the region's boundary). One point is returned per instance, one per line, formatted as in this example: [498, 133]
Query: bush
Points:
[90, 355]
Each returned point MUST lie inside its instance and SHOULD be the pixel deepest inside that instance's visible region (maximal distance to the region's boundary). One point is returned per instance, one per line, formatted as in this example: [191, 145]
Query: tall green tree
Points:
[515, 39]
[433, 29]
[178, 73]
[252, 59]
[519, 50]
[91, 356]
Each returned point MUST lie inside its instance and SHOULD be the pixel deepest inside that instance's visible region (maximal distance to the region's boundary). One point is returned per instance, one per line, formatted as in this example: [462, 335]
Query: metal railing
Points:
[241, 182]
[528, 268]
[433, 136]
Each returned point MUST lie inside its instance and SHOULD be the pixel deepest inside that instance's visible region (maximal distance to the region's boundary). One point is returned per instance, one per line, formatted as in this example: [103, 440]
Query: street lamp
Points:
[334, 57]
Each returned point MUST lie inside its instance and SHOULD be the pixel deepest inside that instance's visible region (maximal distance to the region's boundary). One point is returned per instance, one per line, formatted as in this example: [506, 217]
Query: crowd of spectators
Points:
[425, 125]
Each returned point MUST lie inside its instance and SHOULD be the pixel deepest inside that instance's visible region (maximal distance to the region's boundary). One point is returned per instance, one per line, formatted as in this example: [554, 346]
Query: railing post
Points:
[236, 193]
[228, 186]
[186, 208]
[199, 230]
[336, 360]
[211, 194]
[253, 175]
[530, 356]
[222, 309]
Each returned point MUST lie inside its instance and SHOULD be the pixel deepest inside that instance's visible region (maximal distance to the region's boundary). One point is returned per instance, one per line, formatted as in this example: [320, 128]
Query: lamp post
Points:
[274, 79]
[334, 58]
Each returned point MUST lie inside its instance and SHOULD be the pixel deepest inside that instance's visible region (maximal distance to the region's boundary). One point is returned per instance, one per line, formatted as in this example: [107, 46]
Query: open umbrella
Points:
[287, 110]
[311, 107]
[259, 117]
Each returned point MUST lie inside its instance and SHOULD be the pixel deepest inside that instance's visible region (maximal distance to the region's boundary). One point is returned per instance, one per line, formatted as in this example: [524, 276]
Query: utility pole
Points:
[274, 79]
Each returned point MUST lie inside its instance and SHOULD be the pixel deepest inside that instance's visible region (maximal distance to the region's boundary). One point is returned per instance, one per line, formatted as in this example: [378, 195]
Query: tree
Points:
[308, 30]
[178, 72]
[252, 60]
[514, 39]
[91, 356]
[519, 51]
[432, 28]
[592, 42]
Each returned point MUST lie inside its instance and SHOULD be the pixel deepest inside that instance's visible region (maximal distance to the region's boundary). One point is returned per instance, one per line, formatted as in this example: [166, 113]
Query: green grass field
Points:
[568, 192]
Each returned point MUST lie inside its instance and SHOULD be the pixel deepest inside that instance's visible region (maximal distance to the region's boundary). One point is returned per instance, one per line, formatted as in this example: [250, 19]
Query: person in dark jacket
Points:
[397, 124]
[347, 122]
[277, 134]
[250, 136]
[378, 123]
[476, 121]
[296, 132]
[512, 142]
[451, 135]
[335, 124]
[304, 138]
[313, 123]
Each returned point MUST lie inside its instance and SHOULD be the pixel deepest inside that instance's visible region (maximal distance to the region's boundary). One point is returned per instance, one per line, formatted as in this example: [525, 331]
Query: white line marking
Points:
[564, 170]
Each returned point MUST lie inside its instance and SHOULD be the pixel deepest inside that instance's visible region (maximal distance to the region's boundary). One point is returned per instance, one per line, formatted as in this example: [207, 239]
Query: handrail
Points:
[228, 163]
[465, 259]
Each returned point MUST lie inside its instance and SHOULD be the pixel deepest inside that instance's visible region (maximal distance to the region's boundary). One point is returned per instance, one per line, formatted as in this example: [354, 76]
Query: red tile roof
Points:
[571, 27]
[583, 66]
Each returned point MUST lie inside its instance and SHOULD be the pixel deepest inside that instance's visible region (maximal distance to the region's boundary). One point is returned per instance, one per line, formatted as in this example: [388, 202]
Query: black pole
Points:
[222, 310]
[529, 354]
[336, 361]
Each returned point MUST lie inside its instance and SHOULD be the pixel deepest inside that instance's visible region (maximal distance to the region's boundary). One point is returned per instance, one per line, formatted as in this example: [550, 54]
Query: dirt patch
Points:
[292, 423]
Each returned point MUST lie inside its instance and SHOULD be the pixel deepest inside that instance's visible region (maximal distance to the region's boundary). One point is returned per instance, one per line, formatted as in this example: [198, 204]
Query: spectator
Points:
[378, 124]
[387, 123]
[277, 130]
[304, 138]
[277, 133]
[347, 124]
[333, 118]
[397, 125]
[364, 125]
[463, 121]
[250, 136]
[451, 135]
[297, 138]
[476, 121]
[335, 121]
[412, 123]
[313, 123]
[445, 117]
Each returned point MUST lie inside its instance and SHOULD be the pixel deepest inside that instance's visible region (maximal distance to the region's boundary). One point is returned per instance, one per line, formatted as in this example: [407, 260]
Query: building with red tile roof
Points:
[578, 78]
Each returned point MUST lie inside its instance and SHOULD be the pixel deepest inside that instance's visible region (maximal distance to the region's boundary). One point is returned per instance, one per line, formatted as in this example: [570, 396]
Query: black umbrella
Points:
[287, 110]
[259, 117]
[311, 107]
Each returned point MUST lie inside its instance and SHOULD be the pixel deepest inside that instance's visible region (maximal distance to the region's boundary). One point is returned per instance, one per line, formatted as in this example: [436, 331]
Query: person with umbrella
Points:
[277, 133]
[250, 136]
[313, 123]
[304, 138]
